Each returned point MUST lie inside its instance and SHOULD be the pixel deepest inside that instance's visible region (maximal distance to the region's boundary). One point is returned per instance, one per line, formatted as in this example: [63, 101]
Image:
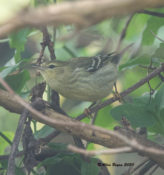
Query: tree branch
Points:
[98, 152]
[81, 13]
[157, 14]
[14, 147]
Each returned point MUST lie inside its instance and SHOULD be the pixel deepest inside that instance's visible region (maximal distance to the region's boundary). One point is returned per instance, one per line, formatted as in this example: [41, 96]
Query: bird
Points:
[83, 78]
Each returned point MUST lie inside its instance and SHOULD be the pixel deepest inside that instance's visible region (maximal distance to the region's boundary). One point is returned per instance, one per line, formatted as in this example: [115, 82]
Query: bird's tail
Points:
[125, 49]
[118, 54]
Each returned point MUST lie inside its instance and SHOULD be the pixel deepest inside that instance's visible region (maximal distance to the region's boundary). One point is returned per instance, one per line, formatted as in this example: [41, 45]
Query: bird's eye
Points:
[51, 66]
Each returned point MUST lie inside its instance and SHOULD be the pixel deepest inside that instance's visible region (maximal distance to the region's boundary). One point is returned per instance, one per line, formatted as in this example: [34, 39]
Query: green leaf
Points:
[139, 115]
[44, 131]
[3, 164]
[158, 127]
[3, 143]
[63, 164]
[52, 160]
[18, 41]
[19, 171]
[90, 168]
[105, 119]
[153, 25]
[141, 60]
[7, 70]
[159, 52]
[159, 99]
[17, 81]
[58, 146]
[133, 32]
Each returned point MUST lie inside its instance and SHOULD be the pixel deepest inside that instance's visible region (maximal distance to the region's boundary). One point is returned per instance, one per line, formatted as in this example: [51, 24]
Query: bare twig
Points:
[71, 53]
[154, 169]
[99, 152]
[5, 138]
[157, 36]
[147, 167]
[14, 148]
[157, 14]
[46, 42]
[49, 43]
[123, 33]
[138, 166]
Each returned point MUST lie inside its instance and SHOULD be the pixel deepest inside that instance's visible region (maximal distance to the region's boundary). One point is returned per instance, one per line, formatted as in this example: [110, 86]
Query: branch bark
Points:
[80, 13]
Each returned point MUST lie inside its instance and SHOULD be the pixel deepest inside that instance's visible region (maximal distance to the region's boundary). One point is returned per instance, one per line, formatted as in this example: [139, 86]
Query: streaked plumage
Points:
[83, 78]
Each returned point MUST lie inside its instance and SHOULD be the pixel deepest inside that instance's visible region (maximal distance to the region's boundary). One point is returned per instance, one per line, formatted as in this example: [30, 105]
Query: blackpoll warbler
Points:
[83, 78]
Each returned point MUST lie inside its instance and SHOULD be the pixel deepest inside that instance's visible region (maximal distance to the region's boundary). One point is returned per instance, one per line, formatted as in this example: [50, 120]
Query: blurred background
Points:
[24, 47]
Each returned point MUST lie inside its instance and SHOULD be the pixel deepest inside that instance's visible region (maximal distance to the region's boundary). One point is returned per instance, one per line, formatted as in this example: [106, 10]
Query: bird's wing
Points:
[92, 64]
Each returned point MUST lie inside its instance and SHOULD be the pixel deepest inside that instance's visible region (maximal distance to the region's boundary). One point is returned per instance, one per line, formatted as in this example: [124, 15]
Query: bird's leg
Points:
[116, 93]
[93, 119]
[87, 110]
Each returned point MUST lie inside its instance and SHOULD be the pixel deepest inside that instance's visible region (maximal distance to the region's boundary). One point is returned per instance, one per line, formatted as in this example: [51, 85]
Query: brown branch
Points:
[123, 33]
[80, 13]
[157, 14]
[99, 152]
[124, 93]
[14, 147]
[47, 41]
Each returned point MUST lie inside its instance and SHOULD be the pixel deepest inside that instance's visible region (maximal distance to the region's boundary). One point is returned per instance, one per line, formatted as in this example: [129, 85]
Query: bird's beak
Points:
[35, 66]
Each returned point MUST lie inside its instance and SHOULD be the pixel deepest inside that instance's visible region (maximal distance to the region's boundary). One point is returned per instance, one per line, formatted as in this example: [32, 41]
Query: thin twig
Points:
[46, 43]
[147, 167]
[151, 89]
[49, 43]
[157, 14]
[5, 138]
[138, 166]
[71, 53]
[157, 36]
[123, 33]
[100, 152]
[14, 148]
[154, 169]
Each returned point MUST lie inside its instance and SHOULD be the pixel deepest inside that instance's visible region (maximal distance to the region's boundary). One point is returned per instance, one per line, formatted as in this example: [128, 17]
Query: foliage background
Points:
[140, 109]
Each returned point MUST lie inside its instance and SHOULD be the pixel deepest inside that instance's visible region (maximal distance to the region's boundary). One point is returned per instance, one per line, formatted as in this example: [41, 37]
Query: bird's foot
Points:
[117, 94]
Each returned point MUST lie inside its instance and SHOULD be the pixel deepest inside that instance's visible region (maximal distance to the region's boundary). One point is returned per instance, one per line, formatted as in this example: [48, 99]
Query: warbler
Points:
[82, 78]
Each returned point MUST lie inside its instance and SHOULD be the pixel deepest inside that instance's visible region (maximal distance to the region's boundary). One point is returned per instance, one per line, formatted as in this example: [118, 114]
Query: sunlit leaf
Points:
[141, 60]
[159, 99]
[153, 25]
[18, 80]
[18, 41]
[138, 115]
